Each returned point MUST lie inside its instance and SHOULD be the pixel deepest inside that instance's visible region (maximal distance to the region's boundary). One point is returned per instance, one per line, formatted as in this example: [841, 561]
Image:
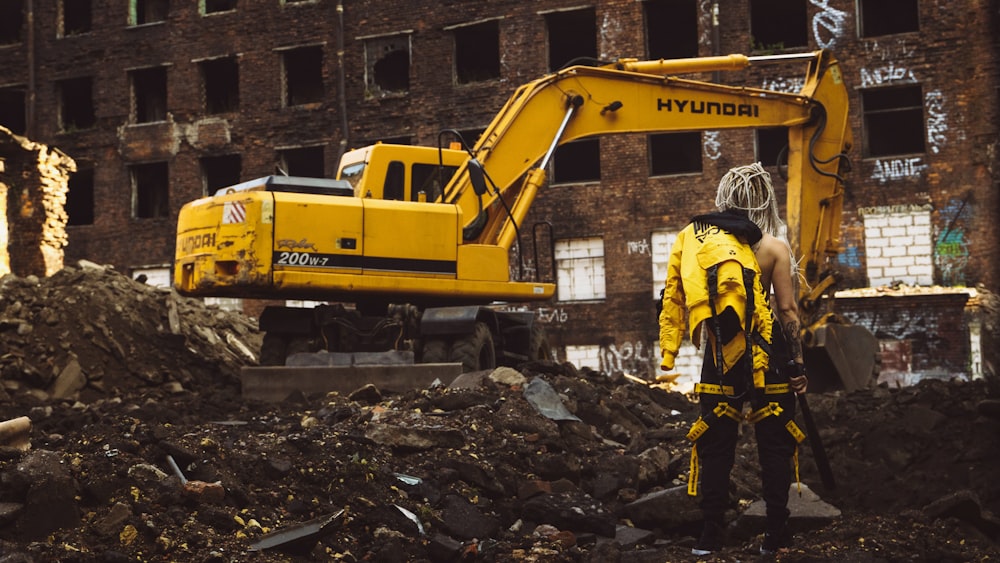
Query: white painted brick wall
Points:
[898, 246]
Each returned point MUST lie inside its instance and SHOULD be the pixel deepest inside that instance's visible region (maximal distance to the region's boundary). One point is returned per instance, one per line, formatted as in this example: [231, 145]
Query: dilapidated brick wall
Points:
[33, 184]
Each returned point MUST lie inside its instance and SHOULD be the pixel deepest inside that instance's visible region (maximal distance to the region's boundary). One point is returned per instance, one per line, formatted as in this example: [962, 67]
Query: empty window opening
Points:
[76, 104]
[11, 21]
[778, 24]
[572, 35]
[303, 75]
[580, 269]
[12, 110]
[772, 146]
[387, 64]
[80, 198]
[305, 161]
[885, 17]
[218, 172]
[671, 28]
[477, 52]
[674, 153]
[74, 17]
[149, 94]
[216, 6]
[578, 161]
[147, 11]
[221, 78]
[893, 120]
[150, 190]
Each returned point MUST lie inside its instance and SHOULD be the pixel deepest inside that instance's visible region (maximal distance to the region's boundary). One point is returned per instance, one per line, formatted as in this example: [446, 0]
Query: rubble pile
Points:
[149, 453]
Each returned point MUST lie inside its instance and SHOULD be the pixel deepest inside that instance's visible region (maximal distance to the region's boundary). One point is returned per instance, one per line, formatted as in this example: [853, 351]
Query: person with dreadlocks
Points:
[719, 266]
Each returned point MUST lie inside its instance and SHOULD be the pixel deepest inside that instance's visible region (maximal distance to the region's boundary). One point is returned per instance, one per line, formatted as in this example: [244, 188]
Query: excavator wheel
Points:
[538, 347]
[435, 351]
[475, 351]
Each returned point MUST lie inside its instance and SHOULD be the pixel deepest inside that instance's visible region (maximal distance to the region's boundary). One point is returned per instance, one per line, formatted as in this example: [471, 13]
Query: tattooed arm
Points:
[779, 265]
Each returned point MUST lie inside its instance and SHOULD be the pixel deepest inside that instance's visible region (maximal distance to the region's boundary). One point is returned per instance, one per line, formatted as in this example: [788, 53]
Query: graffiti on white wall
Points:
[898, 169]
[827, 24]
[713, 147]
[885, 75]
[937, 120]
[639, 247]
[630, 357]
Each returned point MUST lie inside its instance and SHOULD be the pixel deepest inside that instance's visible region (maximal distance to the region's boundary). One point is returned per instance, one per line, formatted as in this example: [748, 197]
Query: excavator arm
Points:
[631, 96]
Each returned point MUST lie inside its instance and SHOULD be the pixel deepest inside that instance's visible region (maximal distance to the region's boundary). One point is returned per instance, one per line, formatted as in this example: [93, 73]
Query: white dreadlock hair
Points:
[748, 188]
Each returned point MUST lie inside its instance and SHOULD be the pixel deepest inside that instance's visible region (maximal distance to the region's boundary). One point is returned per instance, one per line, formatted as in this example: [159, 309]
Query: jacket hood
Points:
[734, 222]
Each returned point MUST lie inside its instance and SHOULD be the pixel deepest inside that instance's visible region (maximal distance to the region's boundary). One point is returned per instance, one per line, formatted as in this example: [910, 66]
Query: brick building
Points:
[160, 102]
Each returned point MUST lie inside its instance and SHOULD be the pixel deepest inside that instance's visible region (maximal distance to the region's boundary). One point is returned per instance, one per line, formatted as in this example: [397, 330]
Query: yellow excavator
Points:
[409, 246]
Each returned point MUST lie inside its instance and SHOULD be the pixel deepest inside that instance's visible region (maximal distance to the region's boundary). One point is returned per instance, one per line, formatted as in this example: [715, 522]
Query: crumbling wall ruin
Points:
[34, 180]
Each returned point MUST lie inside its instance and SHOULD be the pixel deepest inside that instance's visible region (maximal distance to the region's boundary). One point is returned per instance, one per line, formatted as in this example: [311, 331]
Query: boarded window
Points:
[221, 79]
[674, 153]
[671, 28]
[778, 24]
[578, 161]
[147, 11]
[898, 247]
[149, 94]
[893, 120]
[304, 161]
[74, 17]
[580, 269]
[572, 36]
[80, 198]
[303, 75]
[660, 244]
[76, 104]
[150, 190]
[218, 172]
[387, 64]
[885, 17]
[477, 52]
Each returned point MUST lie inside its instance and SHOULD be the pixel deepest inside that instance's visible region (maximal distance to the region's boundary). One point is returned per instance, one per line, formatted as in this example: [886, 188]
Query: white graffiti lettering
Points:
[898, 169]
[937, 121]
[552, 316]
[713, 148]
[631, 358]
[790, 85]
[639, 247]
[886, 74]
[828, 25]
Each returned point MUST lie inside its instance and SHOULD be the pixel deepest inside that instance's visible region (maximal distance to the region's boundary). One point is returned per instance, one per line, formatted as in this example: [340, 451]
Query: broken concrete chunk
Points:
[546, 401]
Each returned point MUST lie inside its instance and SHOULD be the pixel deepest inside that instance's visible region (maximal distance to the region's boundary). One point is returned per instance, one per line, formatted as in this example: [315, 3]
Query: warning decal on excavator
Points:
[234, 212]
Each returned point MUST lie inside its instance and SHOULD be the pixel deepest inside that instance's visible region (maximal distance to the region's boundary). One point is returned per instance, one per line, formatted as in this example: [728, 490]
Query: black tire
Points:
[474, 351]
[435, 351]
[538, 344]
[273, 350]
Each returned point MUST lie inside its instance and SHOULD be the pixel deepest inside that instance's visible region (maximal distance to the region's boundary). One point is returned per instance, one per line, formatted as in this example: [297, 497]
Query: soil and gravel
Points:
[141, 448]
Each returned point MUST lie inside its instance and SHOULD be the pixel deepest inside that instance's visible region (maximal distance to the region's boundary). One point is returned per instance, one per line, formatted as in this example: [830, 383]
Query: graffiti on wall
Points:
[827, 24]
[951, 249]
[898, 169]
[628, 357]
[639, 247]
[790, 85]
[713, 147]
[937, 120]
[885, 75]
[850, 257]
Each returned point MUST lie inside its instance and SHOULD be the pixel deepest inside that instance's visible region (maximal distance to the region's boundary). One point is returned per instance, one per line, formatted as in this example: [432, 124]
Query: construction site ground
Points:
[141, 447]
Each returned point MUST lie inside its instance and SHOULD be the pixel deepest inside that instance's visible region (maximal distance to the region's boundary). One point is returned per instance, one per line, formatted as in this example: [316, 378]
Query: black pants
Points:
[717, 446]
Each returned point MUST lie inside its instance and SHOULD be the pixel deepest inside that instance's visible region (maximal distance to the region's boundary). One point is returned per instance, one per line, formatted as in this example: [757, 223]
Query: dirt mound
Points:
[142, 449]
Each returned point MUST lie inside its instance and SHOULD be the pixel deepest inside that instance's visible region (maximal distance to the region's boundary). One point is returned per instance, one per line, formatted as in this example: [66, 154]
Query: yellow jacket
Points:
[697, 247]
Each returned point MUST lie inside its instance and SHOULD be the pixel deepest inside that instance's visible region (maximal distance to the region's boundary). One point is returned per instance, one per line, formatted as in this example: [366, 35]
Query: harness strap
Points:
[772, 409]
[712, 278]
[776, 389]
[713, 389]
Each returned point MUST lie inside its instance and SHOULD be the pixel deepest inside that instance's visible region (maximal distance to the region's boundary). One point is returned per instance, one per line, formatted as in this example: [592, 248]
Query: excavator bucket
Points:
[839, 355]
